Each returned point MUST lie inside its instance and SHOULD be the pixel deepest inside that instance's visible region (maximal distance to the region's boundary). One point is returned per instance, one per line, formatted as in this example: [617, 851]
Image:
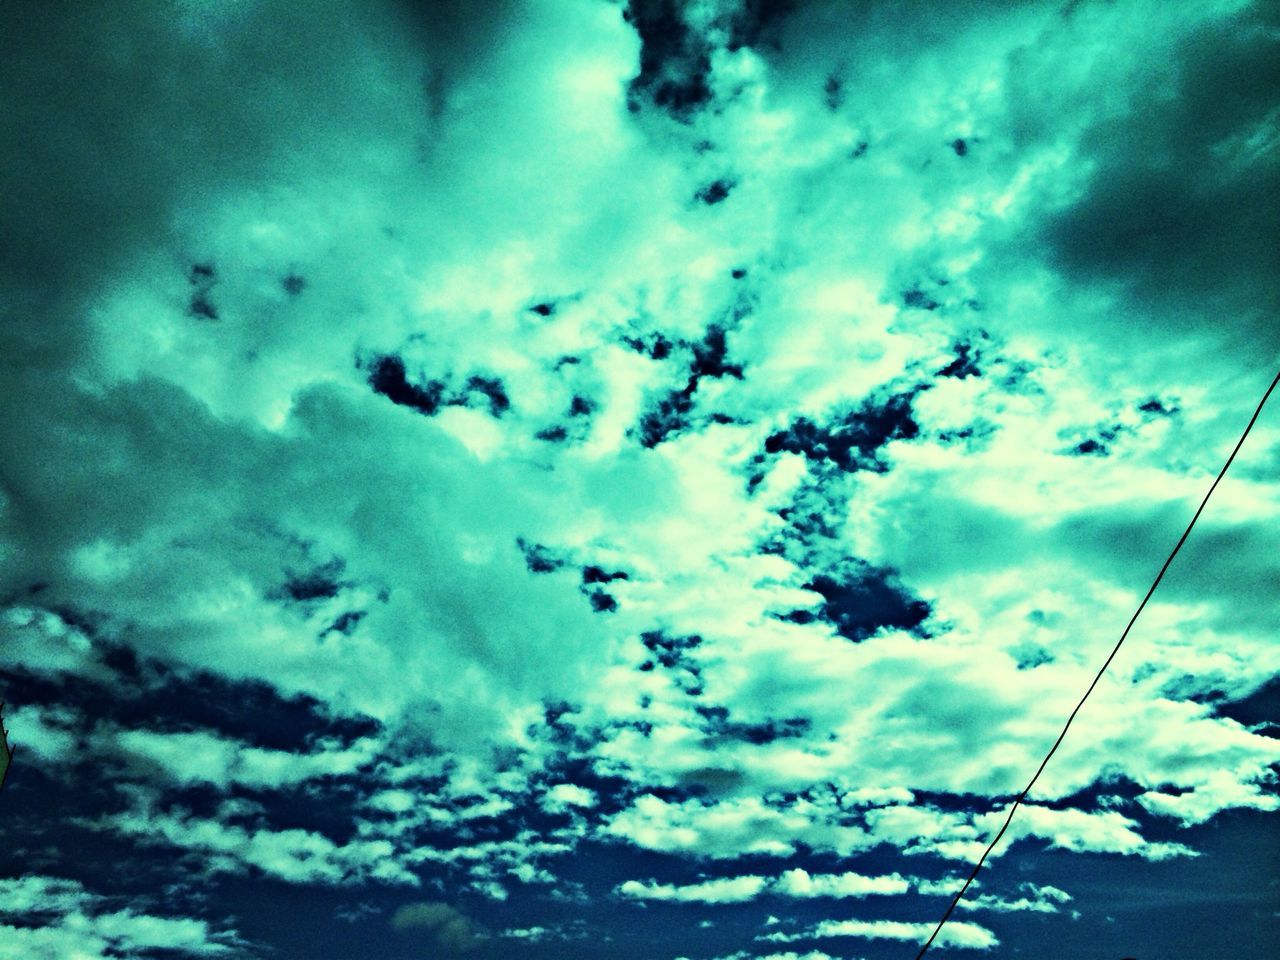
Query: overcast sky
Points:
[581, 480]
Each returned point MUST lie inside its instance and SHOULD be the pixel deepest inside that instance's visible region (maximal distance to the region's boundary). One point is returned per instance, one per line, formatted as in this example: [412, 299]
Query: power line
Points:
[1017, 801]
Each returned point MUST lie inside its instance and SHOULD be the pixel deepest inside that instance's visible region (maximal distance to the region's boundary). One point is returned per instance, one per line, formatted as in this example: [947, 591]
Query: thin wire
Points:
[1017, 801]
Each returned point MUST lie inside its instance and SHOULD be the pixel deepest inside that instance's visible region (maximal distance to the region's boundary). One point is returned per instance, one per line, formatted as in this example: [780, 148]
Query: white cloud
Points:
[800, 883]
[1219, 791]
[201, 756]
[960, 933]
[720, 890]
[60, 918]
[1105, 831]
[530, 934]
[1041, 899]
[730, 828]
[795, 883]
[48, 733]
[293, 855]
[565, 796]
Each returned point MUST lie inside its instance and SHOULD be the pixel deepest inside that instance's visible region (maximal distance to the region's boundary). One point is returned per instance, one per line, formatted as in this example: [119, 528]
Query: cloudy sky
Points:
[582, 479]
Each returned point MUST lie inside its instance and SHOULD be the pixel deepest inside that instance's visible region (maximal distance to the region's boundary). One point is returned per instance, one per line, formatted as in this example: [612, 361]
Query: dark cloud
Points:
[202, 274]
[456, 37]
[164, 107]
[128, 457]
[815, 513]
[935, 292]
[1261, 708]
[580, 409]
[755, 22]
[451, 929]
[1181, 208]
[1030, 657]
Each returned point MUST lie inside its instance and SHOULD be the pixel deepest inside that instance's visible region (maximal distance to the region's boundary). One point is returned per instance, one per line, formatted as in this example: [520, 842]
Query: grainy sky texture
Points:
[576, 480]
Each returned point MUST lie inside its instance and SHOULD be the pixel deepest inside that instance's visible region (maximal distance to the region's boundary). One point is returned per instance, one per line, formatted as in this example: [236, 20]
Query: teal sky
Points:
[583, 479]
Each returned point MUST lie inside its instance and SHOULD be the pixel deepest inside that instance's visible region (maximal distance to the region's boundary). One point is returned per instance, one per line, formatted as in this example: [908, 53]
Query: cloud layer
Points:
[714, 442]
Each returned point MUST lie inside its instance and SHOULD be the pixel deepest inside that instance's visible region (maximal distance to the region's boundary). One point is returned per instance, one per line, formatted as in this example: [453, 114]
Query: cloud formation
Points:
[51, 916]
[451, 930]
[631, 454]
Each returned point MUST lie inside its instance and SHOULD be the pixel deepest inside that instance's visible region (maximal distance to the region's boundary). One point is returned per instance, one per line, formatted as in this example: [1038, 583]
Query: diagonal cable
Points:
[1017, 801]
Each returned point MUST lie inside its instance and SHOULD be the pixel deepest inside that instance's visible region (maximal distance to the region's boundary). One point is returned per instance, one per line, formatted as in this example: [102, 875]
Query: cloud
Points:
[800, 883]
[60, 917]
[691, 434]
[452, 930]
[1220, 791]
[1102, 831]
[960, 933]
[210, 450]
[1042, 899]
[796, 883]
[567, 796]
[720, 890]
[47, 733]
[203, 757]
[731, 828]
[1143, 226]
[293, 855]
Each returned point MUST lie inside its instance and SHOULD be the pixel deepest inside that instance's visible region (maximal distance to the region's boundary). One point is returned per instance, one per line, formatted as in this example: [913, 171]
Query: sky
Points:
[579, 479]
